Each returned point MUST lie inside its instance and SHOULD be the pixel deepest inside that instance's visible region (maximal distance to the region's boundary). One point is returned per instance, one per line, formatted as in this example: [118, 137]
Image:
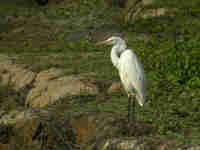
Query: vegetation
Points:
[57, 35]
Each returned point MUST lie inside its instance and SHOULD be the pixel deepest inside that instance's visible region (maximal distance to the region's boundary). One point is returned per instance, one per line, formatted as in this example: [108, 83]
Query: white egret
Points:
[130, 70]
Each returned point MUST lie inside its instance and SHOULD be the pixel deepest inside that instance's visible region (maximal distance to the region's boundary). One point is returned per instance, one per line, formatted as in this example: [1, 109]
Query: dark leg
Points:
[133, 109]
[129, 109]
[129, 115]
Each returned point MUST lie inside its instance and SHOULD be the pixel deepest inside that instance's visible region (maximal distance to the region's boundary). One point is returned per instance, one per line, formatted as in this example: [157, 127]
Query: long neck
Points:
[116, 51]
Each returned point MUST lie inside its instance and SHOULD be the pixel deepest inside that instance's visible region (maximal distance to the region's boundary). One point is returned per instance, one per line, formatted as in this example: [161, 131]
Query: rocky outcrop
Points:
[14, 75]
[43, 88]
[139, 9]
[39, 129]
[36, 129]
[156, 12]
[51, 85]
[45, 129]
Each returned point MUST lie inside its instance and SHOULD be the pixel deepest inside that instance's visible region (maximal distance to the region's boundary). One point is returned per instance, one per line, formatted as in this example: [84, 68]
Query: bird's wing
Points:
[131, 66]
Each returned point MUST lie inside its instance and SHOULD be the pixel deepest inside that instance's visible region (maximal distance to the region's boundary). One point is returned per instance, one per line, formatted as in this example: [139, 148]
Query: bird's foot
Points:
[131, 95]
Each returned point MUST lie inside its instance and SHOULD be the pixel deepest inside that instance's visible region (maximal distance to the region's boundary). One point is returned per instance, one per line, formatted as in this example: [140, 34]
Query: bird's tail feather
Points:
[140, 99]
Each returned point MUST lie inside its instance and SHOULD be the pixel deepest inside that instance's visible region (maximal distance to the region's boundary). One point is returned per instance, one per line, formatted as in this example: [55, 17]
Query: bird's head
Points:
[111, 41]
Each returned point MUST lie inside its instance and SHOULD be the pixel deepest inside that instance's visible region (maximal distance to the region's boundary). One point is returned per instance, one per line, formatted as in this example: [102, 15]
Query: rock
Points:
[20, 78]
[36, 129]
[39, 129]
[51, 86]
[8, 118]
[115, 87]
[14, 75]
[5, 78]
[43, 88]
[132, 9]
[123, 144]
[147, 2]
[136, 9]
[91, 126]
[154, 13]
[170, 144]
[143, 142]
[193, 148]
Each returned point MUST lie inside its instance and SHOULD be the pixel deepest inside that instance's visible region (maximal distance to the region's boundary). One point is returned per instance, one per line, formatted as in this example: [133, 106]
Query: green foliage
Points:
[184, 67]
[179, 65]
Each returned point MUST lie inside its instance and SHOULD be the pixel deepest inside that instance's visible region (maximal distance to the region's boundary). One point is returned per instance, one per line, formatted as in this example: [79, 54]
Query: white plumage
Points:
[132, 75]
[130, 69]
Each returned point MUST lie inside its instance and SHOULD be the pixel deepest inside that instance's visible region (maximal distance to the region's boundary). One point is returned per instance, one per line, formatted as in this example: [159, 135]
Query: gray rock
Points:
[193, 148]
[14, 75]
[148, 2]
[123, 144]
[46, 87]
[51, 86]
[115, 87]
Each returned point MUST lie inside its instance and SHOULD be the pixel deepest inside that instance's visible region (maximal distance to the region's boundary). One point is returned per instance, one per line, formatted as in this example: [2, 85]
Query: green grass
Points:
[170, 57]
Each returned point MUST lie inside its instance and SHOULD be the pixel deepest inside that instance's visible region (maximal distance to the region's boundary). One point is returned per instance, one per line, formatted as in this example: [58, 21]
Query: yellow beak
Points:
[102, 42]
